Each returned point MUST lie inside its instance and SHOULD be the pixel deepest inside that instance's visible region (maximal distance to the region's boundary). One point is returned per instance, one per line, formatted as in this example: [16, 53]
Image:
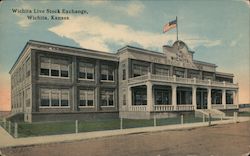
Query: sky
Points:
[217, 31]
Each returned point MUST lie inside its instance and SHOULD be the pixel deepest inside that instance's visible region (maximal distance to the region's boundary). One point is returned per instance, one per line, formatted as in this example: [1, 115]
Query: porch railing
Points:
[137, 108]
[217, 106]
[231, 106]
[184, 107]
[163, 108]
[228, 106]
[174, 79]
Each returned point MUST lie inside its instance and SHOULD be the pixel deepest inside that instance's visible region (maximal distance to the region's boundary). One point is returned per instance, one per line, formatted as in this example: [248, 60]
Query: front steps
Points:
[215, 113]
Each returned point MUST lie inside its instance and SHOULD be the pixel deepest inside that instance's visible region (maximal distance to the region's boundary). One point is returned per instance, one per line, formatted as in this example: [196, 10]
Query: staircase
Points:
[215, 113]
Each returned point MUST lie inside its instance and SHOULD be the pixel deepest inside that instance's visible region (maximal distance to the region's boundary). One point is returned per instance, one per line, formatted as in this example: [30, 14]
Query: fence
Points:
[67, 127]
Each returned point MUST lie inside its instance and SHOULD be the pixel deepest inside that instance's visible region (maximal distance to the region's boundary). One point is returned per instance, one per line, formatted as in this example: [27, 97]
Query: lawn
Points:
[67, 127]
[244, 113]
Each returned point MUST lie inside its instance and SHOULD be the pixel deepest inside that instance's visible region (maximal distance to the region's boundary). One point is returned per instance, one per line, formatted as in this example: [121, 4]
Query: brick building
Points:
[57, 82]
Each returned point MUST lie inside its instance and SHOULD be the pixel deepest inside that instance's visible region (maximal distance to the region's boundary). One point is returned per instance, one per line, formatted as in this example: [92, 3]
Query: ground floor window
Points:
[201, 98]
[216, 96]
[107, 98]
[54, 98]
[139, 96]
[86, 98]
[229, 97]
[162, 97]
[184, 95]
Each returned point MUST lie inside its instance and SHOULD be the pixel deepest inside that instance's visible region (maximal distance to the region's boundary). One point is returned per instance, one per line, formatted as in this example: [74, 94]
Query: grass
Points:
[244, 113]
[67, 127]
[49, 128]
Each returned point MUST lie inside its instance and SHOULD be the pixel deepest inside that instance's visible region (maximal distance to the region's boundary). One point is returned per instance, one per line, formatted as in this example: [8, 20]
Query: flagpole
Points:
[176, 29]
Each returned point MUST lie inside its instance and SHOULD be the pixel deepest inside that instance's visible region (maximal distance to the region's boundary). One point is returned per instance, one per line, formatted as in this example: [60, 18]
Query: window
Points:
[124, 99]
[107, 73]
[229, 97]
[28, 66]
[124, 74]
[86, 98]
[86, 71]
[45, 97]
[54, 67]
[55, 94]
[179, 73]
[107, 98]
[162, 71]
[139, 97]
[193, 74]
[45, 66]
[27, 97]
[54, 98]
[139, 70]
[162, 97]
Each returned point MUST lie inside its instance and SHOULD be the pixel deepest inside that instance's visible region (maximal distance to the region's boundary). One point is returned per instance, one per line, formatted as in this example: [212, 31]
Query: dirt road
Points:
[219, 140]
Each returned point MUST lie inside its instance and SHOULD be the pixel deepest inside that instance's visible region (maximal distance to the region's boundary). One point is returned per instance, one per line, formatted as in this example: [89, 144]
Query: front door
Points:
[201, 98]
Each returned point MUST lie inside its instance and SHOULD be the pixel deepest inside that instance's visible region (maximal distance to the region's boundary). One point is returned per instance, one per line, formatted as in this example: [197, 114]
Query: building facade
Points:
[51, 81]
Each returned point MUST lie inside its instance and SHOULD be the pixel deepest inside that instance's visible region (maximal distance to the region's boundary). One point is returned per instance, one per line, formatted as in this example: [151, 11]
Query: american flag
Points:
[169, 26]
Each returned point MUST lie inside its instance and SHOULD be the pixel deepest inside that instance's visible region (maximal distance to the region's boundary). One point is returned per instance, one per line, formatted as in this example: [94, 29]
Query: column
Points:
[209, 105]
[149, 96]
[174, 103]
[234, 97]
[129, 97]
[224, 98]
[194, 103]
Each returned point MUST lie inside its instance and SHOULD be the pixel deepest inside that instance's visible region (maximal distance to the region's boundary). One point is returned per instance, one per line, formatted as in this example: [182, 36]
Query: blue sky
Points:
[218, 31]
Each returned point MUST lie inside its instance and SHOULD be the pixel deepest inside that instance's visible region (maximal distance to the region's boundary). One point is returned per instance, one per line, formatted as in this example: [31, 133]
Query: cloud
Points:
[96, 2]
[133, 9]
[94, 33]
[23, 21]
[235, 42]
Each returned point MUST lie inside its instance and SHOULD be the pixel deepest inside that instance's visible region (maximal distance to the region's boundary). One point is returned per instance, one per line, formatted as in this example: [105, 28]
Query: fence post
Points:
[16, 130]
[121, 123]
[155, 121]
[209, 119]
[76, 126]
[9, 127]
[235, 117]
[203, 117]
[182, 119]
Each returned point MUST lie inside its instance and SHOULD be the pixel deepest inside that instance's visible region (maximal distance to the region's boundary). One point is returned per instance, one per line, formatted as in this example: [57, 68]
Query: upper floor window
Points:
[28, 66]
[123, 74]
[54, 67]
[179, 73]
[162, 71]
[86, 98]
[193, 74]
[54, 98]
[107, 72]
[86, 71]
[27, 97]
[139, 70]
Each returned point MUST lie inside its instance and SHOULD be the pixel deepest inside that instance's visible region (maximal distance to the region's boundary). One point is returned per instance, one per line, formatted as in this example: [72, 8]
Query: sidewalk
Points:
[8, 141]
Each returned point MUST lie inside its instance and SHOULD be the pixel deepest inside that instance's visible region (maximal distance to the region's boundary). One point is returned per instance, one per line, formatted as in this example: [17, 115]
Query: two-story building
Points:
[57, 82]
